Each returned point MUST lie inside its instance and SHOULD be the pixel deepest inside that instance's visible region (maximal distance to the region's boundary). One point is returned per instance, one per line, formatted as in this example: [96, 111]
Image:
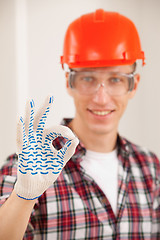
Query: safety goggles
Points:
[89, 82]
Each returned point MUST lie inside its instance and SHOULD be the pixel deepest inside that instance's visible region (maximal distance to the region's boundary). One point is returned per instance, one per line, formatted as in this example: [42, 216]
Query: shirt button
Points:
[104, 201]
[127, 148]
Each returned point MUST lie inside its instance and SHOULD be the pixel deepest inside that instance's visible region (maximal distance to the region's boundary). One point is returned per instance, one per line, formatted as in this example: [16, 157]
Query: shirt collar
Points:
[123, 146]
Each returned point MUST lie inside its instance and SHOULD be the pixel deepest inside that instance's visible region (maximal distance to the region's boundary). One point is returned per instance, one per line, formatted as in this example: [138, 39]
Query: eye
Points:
[87, 79]
[115, 80]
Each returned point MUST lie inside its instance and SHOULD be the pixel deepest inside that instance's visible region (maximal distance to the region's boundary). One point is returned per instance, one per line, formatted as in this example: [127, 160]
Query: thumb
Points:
[69, 148]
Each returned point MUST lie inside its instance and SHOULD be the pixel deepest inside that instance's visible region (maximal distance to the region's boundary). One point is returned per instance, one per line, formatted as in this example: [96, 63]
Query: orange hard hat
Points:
[101, 39]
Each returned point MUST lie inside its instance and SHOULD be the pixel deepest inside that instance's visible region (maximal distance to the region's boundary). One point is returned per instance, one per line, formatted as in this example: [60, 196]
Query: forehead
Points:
[123, 68]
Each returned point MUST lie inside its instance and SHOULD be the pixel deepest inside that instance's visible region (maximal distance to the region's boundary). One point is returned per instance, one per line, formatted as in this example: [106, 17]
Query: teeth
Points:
[101, 113]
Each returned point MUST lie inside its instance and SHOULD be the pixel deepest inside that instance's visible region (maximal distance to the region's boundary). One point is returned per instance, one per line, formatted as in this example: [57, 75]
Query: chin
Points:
[100, 130]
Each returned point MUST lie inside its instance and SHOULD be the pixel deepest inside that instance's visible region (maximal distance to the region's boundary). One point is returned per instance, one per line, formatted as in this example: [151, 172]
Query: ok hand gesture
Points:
[39, 163]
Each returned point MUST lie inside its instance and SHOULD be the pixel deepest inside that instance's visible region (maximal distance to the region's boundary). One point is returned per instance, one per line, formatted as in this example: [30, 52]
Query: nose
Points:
[101, 96]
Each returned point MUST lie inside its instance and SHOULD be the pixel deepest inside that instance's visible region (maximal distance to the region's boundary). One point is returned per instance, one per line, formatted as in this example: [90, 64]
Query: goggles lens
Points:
[115, 83]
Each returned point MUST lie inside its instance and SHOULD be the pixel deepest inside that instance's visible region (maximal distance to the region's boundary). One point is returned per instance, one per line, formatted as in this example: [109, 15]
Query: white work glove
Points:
[39, 163]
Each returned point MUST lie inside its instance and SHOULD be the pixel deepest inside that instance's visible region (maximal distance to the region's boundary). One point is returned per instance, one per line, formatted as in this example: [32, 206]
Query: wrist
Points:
[14, 196]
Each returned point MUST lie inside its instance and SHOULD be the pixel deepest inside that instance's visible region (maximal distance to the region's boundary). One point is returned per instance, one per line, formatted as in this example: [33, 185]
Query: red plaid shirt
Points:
[76, 208]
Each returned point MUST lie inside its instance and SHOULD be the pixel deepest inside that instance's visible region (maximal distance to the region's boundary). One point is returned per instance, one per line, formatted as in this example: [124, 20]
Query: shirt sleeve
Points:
[156, 202]
[8, 177]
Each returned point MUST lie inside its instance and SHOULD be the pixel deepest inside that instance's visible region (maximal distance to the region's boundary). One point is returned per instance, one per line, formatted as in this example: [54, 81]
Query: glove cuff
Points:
[29, 189]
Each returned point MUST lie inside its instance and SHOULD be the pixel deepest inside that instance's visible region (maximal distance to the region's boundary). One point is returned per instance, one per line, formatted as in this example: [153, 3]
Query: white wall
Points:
[31, 43]
[7, 79]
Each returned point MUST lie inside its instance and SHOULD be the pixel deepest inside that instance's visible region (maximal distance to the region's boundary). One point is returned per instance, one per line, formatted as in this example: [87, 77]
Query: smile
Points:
[101, 113]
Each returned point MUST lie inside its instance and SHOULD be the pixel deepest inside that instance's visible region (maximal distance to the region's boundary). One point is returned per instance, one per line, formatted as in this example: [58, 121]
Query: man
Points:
[110, 187]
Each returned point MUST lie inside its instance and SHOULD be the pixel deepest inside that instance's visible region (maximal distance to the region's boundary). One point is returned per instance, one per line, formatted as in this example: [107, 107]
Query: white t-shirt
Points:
[103, 168]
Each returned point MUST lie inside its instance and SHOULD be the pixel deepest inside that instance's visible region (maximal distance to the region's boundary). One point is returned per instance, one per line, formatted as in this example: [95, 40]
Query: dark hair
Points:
[134, 65]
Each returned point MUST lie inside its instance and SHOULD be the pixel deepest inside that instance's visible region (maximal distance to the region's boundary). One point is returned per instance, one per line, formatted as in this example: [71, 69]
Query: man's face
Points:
[101, 112]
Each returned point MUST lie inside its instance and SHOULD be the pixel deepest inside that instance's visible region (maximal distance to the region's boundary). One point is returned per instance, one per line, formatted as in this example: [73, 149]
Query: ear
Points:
[69, 90]
[136, 82]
